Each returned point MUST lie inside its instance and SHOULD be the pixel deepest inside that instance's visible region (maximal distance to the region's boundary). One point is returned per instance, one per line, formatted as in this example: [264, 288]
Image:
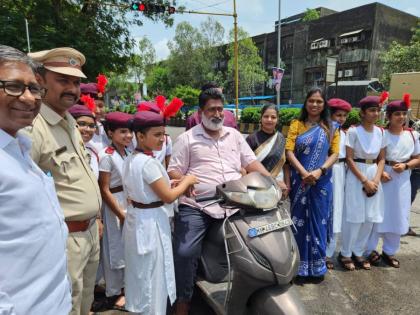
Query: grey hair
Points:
[10, 54]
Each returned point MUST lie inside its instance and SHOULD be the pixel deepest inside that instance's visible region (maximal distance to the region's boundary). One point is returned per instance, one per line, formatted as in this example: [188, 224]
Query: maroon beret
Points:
[369, 101]
[80, 110]
[118, 120]
[147, 118]
[339, 104]
[397, 106]
[89, 88]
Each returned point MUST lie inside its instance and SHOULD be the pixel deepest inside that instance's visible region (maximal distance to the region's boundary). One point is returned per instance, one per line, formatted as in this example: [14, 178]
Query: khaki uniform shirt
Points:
[58, 149]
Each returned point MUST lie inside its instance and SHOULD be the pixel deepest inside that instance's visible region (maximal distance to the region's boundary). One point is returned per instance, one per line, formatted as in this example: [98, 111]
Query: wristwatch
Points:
[323, 170]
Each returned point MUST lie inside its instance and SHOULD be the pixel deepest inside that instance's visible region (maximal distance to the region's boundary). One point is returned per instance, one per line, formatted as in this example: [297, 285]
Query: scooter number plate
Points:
[263, 229]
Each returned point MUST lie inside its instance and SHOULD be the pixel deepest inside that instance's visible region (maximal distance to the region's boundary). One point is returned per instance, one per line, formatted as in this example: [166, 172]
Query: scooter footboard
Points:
[276, 301]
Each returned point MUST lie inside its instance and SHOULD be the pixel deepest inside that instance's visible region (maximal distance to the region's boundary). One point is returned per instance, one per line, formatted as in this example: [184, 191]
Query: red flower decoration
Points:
[101, 82]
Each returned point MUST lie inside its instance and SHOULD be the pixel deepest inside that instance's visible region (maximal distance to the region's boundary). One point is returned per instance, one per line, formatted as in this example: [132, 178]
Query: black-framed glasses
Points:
[16, 88]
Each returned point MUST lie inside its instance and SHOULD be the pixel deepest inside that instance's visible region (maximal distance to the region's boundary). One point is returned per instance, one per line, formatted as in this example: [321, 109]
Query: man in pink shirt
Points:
[214, 154]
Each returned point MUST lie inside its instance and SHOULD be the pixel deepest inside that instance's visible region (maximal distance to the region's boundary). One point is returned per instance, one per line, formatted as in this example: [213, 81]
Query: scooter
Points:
[249, 260]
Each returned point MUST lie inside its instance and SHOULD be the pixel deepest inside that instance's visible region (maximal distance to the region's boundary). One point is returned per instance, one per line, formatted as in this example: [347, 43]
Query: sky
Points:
[255, 16]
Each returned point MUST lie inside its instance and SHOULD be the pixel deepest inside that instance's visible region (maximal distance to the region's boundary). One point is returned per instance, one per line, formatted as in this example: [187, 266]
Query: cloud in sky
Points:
[162, 50]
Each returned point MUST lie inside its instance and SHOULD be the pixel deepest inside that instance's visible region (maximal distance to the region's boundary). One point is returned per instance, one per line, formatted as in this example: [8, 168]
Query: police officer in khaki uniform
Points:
[59, 151]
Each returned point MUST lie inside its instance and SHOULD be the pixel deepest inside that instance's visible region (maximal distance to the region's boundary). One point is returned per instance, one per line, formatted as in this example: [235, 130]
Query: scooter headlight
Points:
[257, 198]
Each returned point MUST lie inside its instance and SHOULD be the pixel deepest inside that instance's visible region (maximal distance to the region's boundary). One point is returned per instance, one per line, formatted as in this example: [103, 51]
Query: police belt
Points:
[117, 189]
[140, 205]
[365, 161]
[80, 226]
[341, 160]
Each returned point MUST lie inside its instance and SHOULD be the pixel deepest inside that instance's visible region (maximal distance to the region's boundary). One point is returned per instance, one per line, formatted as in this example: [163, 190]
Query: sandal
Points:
[346, 262]
[390, 260]
[329, 263]
[374, 258]
[361, 262]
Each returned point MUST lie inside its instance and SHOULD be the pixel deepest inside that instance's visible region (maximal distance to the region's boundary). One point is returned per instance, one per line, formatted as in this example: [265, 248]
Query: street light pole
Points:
[27, 35]
[235, 30]
[278, 49]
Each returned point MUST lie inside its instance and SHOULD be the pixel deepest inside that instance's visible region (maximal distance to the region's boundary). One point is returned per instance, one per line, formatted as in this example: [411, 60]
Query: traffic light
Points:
[151, 7]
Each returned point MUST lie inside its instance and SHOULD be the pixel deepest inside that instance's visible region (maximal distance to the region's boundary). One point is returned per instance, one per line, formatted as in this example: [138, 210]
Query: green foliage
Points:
[251, 115]
[286, 115]
[141, 63]
[101, 32]
[352, 119]
[193, 53]
[251, 68]
[119, 83]
[158, 80]
[310, 15]
[401, 58]
[188, 94]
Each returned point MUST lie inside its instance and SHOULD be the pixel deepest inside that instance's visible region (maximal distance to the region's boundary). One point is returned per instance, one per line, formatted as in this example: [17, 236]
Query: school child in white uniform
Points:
[363, 202]
[402, 154]
[339, 110]
[86, 124]
[114, 204]
[149, 272]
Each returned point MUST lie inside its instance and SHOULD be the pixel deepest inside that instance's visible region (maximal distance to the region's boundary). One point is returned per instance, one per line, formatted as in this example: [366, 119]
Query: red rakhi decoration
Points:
[407, 100]
[384, 97]
[101, 82]
[89, 102]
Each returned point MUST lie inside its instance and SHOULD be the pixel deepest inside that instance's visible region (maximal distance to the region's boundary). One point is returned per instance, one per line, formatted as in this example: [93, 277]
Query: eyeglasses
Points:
[213, 110]
[86, 125]
[16, 88]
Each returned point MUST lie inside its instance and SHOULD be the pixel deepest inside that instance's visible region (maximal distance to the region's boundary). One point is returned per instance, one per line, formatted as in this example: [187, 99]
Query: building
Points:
[351, 40]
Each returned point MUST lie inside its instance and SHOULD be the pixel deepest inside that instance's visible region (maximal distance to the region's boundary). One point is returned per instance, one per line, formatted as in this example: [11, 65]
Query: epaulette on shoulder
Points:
[109, 150]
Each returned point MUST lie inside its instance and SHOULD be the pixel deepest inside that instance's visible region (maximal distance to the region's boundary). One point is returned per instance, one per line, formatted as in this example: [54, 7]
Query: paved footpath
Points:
[382, 290]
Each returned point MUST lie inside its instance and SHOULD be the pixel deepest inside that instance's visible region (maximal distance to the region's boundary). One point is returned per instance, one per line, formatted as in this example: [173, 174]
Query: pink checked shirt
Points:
[211, 161]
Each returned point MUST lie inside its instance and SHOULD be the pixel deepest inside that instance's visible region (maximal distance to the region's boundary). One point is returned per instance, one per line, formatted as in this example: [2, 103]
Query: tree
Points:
[401, 58]
[141, 63]
[310, 15]
[99, 30]
[158, 80]
[188, 94]
[194, 52]
[251, 68]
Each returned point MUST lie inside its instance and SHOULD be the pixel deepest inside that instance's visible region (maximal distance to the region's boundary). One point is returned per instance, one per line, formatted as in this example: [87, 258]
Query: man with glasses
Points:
[33, 274]
[214, 154]
[58, 150]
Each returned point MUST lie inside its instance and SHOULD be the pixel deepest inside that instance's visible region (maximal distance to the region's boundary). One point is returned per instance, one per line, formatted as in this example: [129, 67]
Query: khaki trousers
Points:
[82, 264]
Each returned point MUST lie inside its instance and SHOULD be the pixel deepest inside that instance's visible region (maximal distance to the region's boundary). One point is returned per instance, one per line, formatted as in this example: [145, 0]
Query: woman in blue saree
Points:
[312, 148]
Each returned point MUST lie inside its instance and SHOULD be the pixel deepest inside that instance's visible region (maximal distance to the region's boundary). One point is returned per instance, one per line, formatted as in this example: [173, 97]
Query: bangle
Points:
[323, 170]
[407, 167]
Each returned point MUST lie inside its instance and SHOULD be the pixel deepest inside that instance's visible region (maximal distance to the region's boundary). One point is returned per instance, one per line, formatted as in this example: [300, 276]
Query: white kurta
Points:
[397, 192]
[358, 208]
[149, 273]
[339, 177]
[113, 247]
[33, 235]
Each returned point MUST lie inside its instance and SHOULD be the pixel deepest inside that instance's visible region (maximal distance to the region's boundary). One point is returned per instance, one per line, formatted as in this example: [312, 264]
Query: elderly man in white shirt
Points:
[33, 273]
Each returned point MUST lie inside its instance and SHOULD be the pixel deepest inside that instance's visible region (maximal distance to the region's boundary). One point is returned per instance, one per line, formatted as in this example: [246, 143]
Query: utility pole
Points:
[236, 56]
[279, 48]
[27, 35]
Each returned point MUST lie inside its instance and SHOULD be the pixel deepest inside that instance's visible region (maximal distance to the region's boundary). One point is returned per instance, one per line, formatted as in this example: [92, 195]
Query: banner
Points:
[277, 77]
